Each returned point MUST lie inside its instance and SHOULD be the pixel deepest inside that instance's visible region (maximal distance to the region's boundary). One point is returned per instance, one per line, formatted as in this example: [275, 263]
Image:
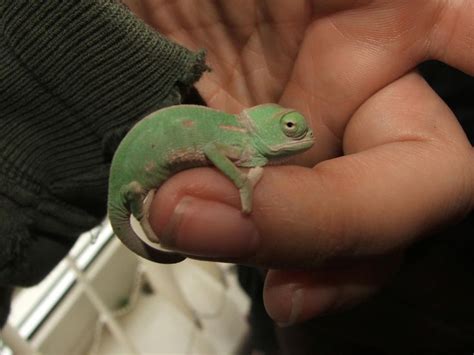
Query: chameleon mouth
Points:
[284, 152]
[300, 145]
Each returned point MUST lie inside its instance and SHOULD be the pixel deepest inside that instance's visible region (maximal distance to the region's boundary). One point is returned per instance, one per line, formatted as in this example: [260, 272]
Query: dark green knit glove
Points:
[74, 76]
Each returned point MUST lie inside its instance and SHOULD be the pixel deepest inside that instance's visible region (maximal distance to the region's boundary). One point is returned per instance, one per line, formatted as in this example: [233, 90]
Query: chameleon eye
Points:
[293, 125]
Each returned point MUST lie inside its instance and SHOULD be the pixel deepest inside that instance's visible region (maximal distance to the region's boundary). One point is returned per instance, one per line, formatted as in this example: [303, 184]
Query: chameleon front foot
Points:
[254, 175]
[246, 192]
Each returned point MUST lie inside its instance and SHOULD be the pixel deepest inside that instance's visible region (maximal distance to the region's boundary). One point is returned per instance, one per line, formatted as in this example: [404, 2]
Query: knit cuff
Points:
[105, 67]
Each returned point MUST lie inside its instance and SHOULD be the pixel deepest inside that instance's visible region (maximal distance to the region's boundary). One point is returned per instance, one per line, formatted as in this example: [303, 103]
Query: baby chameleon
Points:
[186, 136]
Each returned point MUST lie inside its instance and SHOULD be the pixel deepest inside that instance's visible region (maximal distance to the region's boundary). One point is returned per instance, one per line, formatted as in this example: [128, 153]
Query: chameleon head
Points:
[278, 131]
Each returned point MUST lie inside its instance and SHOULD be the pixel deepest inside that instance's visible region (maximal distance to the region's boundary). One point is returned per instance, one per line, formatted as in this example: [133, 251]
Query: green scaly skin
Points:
[186, 136]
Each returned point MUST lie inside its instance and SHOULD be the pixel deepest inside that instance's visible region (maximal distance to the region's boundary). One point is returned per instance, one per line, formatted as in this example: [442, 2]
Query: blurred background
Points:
[103, 299]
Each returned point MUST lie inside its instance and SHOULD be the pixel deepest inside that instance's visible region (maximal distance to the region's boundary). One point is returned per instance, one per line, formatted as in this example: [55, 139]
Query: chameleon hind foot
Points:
[132, 196]
[139, 203]
[144, 222]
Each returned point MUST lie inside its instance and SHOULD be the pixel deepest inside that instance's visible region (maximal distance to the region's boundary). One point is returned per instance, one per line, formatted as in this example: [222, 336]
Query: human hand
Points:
[390, 161]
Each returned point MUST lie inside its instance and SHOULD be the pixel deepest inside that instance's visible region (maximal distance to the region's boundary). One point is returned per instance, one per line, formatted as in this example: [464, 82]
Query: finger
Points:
[349, 55]
[295, 296]
[451, 39]
[409, 169]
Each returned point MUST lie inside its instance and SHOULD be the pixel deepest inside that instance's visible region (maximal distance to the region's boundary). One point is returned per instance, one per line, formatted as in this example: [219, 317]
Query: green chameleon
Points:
[186, 136]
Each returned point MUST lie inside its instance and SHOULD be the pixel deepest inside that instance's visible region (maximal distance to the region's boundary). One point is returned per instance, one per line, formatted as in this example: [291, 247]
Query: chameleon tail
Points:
[120, 221]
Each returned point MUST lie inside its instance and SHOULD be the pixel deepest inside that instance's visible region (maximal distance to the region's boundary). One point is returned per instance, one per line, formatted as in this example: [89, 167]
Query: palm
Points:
[252, 51]
[309, 55]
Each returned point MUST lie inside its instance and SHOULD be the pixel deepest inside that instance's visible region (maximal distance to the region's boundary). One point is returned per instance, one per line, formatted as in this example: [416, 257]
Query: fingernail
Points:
[295, 310]
[284, 302]
[209, 229]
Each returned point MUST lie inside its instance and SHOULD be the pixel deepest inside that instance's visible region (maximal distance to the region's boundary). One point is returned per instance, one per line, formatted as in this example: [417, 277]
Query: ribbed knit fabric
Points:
[74, 76]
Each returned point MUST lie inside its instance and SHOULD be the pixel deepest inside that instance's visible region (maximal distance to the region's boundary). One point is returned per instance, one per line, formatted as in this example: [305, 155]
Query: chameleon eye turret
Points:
[294, 125]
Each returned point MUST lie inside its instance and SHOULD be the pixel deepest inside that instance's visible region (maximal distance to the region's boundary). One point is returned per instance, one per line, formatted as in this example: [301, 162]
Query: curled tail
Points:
[120, 220]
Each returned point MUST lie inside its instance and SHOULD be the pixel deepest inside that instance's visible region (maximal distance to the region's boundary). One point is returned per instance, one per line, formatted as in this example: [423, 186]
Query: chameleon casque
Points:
[186, 136]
